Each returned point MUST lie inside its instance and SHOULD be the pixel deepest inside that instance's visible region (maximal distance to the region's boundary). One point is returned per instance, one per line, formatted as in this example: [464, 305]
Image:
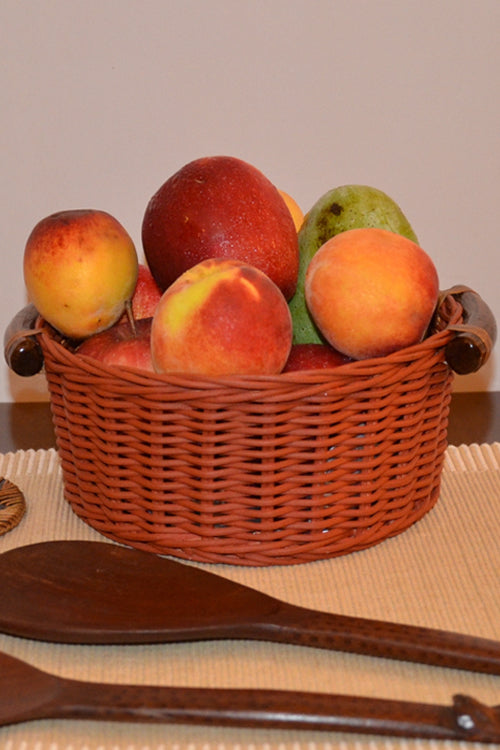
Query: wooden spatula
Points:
[95, 592]
[27, 693]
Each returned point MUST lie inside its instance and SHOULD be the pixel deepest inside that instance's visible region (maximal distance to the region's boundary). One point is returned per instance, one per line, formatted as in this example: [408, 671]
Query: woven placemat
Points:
[443, 572]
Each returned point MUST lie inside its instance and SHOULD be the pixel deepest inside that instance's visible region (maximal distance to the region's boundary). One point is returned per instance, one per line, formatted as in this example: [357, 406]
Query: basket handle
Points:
[467, 352]
[22, 349]
[474, 338]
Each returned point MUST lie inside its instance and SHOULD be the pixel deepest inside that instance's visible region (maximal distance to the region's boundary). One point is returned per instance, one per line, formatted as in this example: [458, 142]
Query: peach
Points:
[122, 346]
[221, 317]
[371, 292]
[80, 270]
[220, 207]
[294, 208]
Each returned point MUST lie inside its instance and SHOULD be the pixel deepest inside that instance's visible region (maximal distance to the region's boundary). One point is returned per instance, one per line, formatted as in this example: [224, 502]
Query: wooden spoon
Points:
[95, 592]
[27, 693]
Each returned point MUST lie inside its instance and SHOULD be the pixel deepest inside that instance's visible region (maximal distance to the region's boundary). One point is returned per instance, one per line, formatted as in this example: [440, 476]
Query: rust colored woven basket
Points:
[259, 470]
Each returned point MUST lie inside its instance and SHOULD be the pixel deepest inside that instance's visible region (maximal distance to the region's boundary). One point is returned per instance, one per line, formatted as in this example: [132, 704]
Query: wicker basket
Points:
[260, 470]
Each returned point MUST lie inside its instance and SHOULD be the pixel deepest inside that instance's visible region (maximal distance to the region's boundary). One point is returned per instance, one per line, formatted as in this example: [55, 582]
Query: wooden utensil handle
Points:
[304, 627]
[278, 709]
[28, 693]
[471, 347]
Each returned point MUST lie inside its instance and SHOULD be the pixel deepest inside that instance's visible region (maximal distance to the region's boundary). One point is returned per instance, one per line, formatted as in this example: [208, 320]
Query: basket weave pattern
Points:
[253, 470]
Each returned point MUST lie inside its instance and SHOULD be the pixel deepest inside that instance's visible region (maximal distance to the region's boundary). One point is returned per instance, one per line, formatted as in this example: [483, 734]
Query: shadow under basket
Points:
[263, 470]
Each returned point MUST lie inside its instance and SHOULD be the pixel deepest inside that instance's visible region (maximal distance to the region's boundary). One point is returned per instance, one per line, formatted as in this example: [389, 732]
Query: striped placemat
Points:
[443, 572]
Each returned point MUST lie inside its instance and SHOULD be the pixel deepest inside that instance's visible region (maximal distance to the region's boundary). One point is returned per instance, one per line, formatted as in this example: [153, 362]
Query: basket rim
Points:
[435, 341]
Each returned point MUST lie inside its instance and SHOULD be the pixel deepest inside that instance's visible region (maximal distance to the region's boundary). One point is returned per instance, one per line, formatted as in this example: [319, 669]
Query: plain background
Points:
[101, 100]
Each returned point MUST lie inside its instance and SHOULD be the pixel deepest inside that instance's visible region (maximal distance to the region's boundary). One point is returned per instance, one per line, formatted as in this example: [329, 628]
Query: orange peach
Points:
[371, 292]
[221, 317]
[294, 208]
[80, 270]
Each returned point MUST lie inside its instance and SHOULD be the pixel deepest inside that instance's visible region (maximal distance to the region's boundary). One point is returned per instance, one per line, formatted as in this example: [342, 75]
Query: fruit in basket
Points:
[220, 207]
[121, 345]
[80, 270]
[354, 207]
[294, 208]
[314, 357]
[146, 295]
[221, 317]
[371, 292]
[338, 210]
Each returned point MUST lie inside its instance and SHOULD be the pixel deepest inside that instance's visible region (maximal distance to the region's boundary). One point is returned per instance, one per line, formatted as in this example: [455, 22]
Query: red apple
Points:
[146, 295]
[222, 317]
[119, 345]
[314, 357]
[220, 207]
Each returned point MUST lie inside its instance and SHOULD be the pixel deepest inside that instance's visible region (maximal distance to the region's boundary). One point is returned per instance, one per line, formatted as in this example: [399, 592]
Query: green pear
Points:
[340, 209]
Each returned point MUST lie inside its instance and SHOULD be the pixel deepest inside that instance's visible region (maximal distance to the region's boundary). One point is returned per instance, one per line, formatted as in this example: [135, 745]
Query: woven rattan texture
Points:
[253, 470]
[12, 505]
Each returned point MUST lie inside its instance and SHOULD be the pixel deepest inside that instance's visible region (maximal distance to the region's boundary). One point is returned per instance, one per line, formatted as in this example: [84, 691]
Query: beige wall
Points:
[103, 99]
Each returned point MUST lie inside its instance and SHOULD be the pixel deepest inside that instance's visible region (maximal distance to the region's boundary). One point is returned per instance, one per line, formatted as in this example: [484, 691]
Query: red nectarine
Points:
[220, 207]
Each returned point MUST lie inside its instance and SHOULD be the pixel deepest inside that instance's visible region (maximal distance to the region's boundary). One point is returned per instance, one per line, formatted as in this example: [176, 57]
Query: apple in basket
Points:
[146, 295]
[121, 345]
[371, 292]
[80, 270]
[314, 357]
[222, 317]
[220, 207]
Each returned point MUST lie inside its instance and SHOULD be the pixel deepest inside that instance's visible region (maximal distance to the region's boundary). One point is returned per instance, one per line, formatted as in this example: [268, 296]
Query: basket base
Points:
[257, 553]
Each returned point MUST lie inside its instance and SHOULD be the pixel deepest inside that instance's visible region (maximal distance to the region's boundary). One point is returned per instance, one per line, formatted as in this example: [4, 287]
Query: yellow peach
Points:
[80, 269]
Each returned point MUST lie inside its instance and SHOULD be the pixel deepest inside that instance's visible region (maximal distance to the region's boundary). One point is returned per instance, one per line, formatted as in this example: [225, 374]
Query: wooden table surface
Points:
[474, 418]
